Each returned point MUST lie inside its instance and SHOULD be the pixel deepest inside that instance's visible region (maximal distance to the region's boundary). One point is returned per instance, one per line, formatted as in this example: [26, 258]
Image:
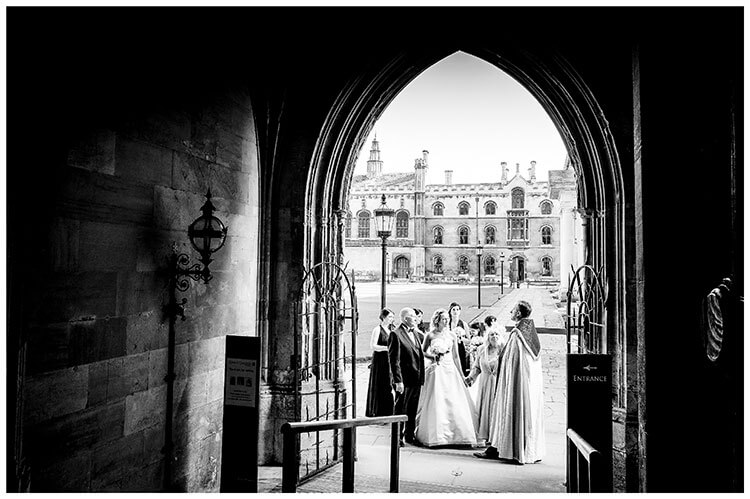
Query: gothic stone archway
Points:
[609, 227]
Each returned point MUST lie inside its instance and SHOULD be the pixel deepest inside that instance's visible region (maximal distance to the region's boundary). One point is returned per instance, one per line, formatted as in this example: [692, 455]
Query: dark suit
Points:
[407, 366]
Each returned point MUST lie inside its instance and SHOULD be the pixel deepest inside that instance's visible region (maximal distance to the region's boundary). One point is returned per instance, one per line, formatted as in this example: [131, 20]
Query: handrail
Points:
[592, 480]
[290, 431]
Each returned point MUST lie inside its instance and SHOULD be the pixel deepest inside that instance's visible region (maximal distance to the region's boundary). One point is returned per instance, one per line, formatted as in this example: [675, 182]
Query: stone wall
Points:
[95, 390]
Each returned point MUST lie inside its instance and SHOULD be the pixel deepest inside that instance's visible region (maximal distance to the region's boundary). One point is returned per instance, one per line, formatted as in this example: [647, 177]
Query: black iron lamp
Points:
[479, 274]
[207, 235]
[383, 221]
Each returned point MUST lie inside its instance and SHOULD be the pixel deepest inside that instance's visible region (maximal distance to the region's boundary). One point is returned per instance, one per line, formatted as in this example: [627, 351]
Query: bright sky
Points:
[470, 116]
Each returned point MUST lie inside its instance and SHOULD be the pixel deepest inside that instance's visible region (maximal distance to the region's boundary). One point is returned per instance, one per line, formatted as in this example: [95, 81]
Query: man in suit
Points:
[407, 367]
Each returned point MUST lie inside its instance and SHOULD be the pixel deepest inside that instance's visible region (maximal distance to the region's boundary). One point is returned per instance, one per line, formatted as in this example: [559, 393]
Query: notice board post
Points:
[239, 453]
[590, 404]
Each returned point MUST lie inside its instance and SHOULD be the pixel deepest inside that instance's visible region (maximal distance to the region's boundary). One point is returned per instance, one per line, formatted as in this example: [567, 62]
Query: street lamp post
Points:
[383, 221]
[502, 272]
[479, 275]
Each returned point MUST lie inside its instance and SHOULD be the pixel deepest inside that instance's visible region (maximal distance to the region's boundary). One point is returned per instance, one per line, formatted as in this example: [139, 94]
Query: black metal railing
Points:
[290, 470]
[591, 477]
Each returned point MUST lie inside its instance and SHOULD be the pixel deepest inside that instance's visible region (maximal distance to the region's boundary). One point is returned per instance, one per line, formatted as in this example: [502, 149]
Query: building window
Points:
[438, 235]
[546, 208]
[463, 235]
[437, 265]
[348, 225]
[546, 234]
[490, 208]
[517, 229]
[489, 235]
[437, 209]
[546, 266]
[463, 208]
[463, 264]
[363, 225]
[402, 224]
[516, 196]
[489, 265]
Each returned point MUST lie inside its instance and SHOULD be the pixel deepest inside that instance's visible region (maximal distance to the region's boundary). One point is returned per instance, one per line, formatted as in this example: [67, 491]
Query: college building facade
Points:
[523, 228]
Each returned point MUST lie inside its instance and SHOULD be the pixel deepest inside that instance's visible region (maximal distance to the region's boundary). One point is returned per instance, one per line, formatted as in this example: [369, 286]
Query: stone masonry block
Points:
[223, 321]
[72, 474]
[148, 478]
[105, 246]
[205, 355]
[198, 423]
[157, 367]
[64, 297]
[191, 173]
[127, 375]
[153, 444]
[190, 393]
[98, 374]
[229, 184]
[56, 394]
[145, 332]
[166, 127]
[175, 209]
[64, 245]
[215, 389]
[117, 459]
[142, 162]
[95, 152]
[88, 195]
[234, 151]
[98, 339]
[145, 409]
[54, 440]
[182, 361]
[48, 348]
[139, 292]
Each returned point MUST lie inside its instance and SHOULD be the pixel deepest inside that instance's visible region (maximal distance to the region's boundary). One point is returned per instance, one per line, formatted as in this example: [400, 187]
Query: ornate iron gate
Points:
[586, 310]
[325, 356]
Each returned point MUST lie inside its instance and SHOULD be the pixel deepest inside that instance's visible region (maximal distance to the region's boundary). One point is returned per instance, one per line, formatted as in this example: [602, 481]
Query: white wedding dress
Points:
[446, 414]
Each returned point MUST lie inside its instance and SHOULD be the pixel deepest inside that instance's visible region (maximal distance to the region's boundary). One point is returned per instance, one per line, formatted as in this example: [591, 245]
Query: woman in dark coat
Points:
[379, 396]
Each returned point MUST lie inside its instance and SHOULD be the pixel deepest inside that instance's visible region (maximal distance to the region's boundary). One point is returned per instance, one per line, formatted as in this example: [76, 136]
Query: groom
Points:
[407, 368]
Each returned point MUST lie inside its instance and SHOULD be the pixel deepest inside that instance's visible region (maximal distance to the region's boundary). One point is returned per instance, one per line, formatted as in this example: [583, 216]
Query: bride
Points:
[445, 414]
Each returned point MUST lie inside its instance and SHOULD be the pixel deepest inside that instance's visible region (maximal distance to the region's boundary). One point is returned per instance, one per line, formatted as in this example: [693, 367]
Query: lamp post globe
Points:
[383, 222]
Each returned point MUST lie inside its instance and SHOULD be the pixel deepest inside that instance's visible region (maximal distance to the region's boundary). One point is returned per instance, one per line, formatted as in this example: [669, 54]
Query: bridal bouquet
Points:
[475, 343]
[439, 347]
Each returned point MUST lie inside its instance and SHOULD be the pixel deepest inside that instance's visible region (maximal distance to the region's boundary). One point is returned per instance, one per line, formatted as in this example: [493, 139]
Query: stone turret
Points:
[374, 164]
[532, 171]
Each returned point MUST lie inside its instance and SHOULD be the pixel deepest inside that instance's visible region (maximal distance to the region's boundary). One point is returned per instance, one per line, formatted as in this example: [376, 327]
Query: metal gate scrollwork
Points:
[325, 362]
[586, 311]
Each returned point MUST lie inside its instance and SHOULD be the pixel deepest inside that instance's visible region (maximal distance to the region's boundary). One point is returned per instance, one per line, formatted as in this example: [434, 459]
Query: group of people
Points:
[461, 386]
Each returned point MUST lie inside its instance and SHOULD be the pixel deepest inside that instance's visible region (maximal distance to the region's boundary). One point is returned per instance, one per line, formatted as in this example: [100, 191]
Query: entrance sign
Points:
[239, 453]
[590, 404]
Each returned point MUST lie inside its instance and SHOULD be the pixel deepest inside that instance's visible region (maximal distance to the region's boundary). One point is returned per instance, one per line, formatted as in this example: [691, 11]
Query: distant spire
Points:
[374, 164]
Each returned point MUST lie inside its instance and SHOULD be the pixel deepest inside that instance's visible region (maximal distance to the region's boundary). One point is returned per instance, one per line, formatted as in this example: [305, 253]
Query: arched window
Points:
[463, 264]
[363, 225]
[546, 266]
[489, 265]
[546, 208]
[437, 209]
[489, 235]
[348, 225]
[402, 224]
[463, 235]
[516, 196]
[463, 208]
[437, 233]
[490, 208]
[437, 265]
[546, 234]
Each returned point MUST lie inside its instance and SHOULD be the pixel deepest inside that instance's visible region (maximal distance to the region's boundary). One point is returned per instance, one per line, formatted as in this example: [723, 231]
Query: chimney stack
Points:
[518, 168]
[424, 156]
[448, 177]
[532, 171]
[503, 171]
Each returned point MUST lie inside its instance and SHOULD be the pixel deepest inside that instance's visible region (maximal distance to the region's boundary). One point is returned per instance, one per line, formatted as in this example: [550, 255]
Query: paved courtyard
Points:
[456, 469]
